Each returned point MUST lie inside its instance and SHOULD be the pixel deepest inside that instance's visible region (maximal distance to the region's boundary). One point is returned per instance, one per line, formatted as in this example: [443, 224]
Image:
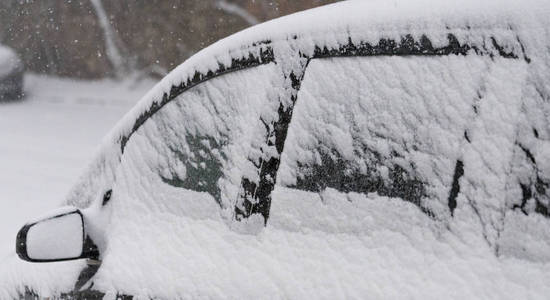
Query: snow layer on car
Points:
[520, 27]
[162, 240]
[373, 247]
[169, 242]
[327, 242]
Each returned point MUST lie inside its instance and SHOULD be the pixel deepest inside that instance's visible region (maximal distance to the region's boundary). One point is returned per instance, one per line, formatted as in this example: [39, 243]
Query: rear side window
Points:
[405, 127]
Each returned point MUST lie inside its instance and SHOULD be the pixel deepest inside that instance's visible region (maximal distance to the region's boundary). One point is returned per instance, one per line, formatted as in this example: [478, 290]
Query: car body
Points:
[358, 150]
[11, 74]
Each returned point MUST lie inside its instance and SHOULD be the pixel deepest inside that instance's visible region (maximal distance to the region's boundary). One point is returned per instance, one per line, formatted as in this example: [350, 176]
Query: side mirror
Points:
[58, 237]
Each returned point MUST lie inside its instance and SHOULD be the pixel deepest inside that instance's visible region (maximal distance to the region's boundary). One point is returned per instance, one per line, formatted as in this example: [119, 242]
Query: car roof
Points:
[506, 28]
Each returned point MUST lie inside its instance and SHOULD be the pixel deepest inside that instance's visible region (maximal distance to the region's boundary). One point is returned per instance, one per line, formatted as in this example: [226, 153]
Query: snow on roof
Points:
[520, 28]
[365, 21]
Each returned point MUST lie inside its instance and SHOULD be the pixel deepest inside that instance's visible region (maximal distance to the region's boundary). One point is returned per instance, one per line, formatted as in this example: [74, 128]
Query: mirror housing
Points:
[60, 236]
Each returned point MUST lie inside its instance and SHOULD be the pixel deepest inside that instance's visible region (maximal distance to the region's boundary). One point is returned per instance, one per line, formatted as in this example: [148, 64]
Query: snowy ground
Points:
[47, 139]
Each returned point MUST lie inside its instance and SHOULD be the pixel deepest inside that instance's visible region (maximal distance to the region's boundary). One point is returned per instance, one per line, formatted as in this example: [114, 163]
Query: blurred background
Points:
[98, 38]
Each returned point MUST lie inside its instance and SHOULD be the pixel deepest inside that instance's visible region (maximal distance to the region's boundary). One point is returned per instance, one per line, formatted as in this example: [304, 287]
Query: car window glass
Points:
[198, 143]
[403, 127]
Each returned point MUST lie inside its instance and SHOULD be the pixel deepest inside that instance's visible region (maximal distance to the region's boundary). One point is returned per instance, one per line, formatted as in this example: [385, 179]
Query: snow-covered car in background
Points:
[11, 74]
[358, 150]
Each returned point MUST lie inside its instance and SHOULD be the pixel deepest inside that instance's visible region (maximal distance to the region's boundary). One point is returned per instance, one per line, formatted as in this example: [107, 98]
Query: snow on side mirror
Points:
[58, 237]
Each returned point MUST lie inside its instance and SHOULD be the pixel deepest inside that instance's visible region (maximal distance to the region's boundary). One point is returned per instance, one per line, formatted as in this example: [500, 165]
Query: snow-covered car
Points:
[366, 149]
[11, 74]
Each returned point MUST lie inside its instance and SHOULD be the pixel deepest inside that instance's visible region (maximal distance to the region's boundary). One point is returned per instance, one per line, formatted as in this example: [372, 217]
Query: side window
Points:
[402, 127]
[198, 144]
